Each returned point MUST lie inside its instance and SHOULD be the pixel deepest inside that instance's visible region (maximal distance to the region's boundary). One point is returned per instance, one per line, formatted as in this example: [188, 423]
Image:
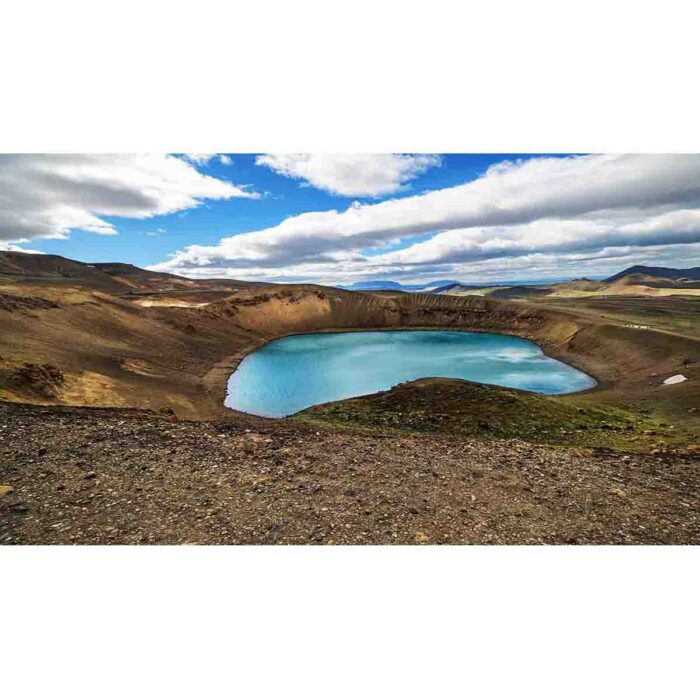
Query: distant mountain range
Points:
[654, 276]
[374, 285]
[437, 286]
[634, 281]
[123, 278]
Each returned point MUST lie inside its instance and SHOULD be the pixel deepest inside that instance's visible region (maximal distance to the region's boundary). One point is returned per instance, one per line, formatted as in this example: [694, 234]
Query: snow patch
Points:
[676, 379]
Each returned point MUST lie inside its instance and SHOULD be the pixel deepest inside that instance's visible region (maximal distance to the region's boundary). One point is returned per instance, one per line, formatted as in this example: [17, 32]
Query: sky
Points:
[344, 218]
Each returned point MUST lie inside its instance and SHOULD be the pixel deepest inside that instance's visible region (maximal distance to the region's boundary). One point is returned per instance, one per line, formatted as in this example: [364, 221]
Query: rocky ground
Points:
[108, 476]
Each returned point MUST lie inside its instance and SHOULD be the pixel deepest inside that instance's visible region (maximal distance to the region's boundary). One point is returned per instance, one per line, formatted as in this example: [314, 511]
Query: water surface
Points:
[293, 373]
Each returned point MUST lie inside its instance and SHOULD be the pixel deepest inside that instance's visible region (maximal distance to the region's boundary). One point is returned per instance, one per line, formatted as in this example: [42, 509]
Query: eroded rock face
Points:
[45, 380]
[16, 302]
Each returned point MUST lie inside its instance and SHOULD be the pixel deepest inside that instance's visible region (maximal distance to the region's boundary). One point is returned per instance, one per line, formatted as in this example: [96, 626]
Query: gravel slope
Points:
[106, 476]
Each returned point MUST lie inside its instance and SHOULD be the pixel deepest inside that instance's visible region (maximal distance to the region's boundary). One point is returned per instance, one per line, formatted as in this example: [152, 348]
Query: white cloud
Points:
[49, 195]
[531, 266]
[539, 207]
[206, 158]
[351, 175]
[12, 247]
[551, 235]
[199, 158]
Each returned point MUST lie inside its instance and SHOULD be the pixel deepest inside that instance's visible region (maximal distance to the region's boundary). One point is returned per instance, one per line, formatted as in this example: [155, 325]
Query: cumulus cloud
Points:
[351, 174]
[49, 195]
[552, 235]
[542, 206]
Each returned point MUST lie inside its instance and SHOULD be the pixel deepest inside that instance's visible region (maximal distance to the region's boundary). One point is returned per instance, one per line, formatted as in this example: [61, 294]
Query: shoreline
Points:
[403, 330]
[229, 366]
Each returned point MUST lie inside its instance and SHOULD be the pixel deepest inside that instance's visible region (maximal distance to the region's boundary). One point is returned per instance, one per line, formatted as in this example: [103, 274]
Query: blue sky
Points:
[343, 218]
[281, 197]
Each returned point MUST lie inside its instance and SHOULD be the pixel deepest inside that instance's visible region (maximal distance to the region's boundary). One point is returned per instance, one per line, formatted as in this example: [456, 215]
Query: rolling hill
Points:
[110, 277]
[665, 273]
[635, 281]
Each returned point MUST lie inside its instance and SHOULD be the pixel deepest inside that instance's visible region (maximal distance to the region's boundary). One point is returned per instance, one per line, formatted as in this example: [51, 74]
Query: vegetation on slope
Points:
[456, 407]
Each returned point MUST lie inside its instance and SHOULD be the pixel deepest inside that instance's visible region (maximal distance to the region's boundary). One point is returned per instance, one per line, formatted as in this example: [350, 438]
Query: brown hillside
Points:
[114, 352]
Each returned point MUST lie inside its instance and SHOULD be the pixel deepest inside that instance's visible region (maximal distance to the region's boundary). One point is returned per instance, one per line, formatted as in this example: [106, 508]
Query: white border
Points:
[349, 622]
[326, 622]
[372, 75]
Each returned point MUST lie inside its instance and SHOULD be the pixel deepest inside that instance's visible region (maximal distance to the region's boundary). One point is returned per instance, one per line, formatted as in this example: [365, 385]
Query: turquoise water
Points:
[290, 374]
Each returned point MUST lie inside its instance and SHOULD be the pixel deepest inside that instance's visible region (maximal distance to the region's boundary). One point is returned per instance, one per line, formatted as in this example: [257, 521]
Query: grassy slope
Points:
[677, 315]
[458, 407]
